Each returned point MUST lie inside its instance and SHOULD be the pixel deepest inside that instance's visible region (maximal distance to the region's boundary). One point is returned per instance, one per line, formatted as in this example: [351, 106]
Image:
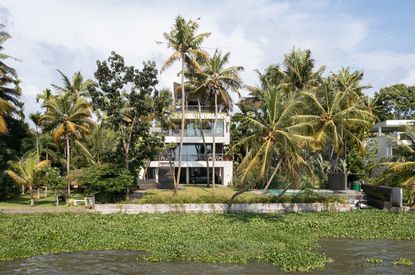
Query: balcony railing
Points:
[195, 157]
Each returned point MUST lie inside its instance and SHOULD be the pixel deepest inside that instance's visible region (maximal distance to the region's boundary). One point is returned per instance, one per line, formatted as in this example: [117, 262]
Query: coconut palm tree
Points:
[68, 117]
[299, 73]
[401, 173]
[336, 112]
[9, 89]
[35, 118]
[77, 87]
[215, 80]
[44, 144]
[23, 172]
[186, 44]
[274, 139]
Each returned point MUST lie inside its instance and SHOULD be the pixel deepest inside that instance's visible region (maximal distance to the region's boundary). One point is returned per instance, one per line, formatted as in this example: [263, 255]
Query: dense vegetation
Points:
[223, 195]
[296, 126]
[289, 241]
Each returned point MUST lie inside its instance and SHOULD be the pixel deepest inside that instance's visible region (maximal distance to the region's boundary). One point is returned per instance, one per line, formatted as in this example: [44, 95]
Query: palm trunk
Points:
[37, 147]
[182, 130]
[272, 177]
[214, 142]
[68, 162]
[204, 144]
[32, 199]
[173, 169]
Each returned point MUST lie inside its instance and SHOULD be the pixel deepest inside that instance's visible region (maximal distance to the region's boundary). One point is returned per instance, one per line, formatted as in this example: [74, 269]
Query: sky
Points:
[375, 36]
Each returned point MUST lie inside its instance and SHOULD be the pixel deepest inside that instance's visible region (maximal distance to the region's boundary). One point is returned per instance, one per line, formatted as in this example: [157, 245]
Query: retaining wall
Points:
[221, 208]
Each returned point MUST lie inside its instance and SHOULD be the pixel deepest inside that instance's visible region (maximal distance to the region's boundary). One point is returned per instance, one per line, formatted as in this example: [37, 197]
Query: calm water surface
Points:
[349, 256]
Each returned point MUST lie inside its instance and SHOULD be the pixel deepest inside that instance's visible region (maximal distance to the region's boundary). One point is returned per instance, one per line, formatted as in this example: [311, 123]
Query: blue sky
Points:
[371, 35]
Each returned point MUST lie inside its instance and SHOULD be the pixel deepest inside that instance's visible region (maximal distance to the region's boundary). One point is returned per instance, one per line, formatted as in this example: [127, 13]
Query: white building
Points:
[389, 135]
[195, 155]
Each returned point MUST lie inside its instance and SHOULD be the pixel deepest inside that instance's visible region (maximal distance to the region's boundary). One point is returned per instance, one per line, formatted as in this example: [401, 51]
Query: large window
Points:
[195, 152]
[193, 126]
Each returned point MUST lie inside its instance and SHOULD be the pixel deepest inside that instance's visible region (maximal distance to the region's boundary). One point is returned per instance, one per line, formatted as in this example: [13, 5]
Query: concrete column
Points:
[156, 176]
[227, 175]
[379, 131]
[187, 175]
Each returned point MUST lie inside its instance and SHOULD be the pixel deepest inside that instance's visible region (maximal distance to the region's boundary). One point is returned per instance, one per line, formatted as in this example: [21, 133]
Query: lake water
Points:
[349, 256]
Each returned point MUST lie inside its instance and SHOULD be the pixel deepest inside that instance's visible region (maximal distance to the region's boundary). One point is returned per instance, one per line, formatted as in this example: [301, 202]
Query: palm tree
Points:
[183, 39]
[45, 95]
[23, 172]
[336, 113]
[215, 80]
[35, 118]
[68, 117]
[401, 173]
[44, 144]
[77, 87]
[299, 73]
[274, 138]
[9, 89]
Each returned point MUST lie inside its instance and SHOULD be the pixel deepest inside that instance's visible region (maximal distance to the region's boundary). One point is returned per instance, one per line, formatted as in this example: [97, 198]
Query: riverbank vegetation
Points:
[223, 195]
[287, 240]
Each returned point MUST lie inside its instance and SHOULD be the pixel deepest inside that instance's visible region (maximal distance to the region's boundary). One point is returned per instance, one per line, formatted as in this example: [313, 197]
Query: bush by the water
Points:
[107, 182]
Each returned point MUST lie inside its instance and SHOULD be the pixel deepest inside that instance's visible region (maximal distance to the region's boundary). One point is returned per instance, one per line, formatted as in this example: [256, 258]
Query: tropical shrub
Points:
[107, 182]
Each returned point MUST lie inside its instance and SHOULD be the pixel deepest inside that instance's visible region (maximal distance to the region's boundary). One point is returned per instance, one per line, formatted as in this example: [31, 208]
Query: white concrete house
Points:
[389, 134]
[194, 166]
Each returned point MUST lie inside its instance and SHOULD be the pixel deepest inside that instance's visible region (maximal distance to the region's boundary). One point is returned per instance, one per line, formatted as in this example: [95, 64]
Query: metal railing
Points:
[194, 157]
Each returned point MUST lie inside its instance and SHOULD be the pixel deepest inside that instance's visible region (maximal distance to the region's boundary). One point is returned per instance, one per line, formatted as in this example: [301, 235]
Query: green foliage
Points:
[51, 177]
[125, 96]
[223, 195]
[403, 261]
[395, 102]
[288, 241]
[107, 182]
[374, 260]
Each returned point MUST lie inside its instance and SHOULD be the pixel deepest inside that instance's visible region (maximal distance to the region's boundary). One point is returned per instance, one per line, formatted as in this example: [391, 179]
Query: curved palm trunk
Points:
[214, 142]
[248, 186]
[68, 161]
[272, 177]
[176, 185]
[204, 144]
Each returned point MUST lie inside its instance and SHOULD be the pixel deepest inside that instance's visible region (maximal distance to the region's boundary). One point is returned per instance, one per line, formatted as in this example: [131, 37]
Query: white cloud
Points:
[72, 35]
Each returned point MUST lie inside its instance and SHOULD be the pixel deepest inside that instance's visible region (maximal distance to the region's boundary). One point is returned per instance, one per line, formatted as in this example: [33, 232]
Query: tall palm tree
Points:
[274, 139]
[9, 89]
[35, 118]
[44, 144]
[336, 112]
[186, 44]
[23, 172]
[299, 73]
[216, 80]
[68, 117]
[77, 87]
[45, 95]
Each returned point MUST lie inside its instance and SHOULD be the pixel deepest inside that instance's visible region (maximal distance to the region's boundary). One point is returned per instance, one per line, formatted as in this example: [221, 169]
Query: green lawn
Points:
[286, 240]
[23, 202]
[202, 194]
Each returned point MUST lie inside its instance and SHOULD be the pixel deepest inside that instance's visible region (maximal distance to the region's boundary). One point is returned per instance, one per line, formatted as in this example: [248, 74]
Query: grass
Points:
[289, 241]
[23, 202]
[200, 194]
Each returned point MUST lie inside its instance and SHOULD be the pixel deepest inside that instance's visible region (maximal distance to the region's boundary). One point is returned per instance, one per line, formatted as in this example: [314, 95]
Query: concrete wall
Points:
[221, 208]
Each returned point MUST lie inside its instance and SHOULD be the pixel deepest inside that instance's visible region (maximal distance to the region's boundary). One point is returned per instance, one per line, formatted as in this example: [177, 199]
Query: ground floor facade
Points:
[192, 172]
